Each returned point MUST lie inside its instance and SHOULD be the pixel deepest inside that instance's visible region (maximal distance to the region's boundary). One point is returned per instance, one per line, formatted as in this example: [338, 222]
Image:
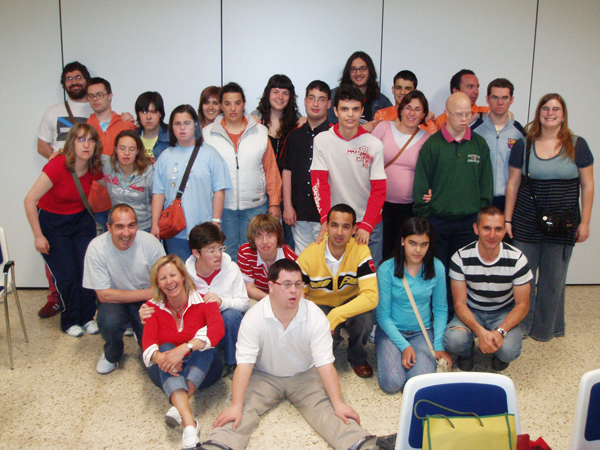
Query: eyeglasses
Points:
[99, 96]
[213, 251]
[149, 111]
[85, 139]
[495, 98]
[312, 99]
[554, 109]
[461, 115]
[410, 109]
[124, 150]
[288, 284]
[76, 77]
[362, 69]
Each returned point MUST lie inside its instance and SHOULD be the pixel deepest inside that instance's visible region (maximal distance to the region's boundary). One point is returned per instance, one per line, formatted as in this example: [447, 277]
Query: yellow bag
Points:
[497, 432]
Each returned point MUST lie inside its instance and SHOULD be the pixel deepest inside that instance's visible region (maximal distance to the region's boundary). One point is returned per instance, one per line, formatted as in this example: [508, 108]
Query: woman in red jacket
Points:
[179, 342]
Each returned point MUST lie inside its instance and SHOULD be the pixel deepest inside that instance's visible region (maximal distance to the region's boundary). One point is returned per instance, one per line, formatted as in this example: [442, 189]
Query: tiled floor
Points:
[54, 399]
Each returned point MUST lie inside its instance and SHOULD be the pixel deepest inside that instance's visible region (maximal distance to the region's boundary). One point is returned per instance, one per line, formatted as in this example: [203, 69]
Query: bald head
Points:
[458, 100]
[458, 111]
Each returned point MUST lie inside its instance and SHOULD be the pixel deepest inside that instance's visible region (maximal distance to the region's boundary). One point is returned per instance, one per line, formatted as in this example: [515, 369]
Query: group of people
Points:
[467, 210]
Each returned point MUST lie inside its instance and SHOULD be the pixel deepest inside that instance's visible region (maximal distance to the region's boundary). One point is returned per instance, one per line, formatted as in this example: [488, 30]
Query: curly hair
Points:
[141, 160]
[372, 86]
[290, 113]
[80, 130]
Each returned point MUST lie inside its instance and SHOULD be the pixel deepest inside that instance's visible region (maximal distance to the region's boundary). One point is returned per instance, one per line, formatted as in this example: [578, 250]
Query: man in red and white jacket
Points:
[348, 168]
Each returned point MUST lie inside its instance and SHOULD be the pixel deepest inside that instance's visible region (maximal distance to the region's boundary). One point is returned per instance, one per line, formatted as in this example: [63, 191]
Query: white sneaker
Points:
[190, 436]
[104, 366]
[91, 327]
[75, 331]
[372, 335]
[172, 417]
[128, 331]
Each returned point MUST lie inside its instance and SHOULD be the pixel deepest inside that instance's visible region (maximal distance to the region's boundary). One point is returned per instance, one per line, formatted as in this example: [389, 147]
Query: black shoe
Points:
[499, 365]
[387, 442]
[465, 364]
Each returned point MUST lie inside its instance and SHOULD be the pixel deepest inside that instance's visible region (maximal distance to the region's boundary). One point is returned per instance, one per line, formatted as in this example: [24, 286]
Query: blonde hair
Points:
[83, 130]
[158, 295]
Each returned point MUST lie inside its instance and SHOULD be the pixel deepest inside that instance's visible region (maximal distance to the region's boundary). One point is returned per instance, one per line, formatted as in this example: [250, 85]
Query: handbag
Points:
[441, 365]
[549, 223]
[468, 431]
[172, 219]
[99, 228]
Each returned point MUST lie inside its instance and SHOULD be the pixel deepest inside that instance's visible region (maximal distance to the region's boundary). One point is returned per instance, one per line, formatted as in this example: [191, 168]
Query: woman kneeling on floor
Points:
[179, 341]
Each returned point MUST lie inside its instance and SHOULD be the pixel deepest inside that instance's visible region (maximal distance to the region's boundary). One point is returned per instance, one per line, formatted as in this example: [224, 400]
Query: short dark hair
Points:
[415, 225]
[72, 67]
[282, 264]
[457, 78]
[262, 223]
[232, 88]
[372, 92]
[98, 80]
[197, 129]
[144, 101]
[414, 94]
[343, 208]
[408, 76]
[489, 210]
[348, 92]
[205, 234]
[319, 85]
[500, 83]
[120, 207]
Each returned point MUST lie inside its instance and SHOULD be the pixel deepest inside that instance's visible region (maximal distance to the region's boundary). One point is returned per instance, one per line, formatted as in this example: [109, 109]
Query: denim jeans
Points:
[112, 320]
[391, 374]
[549, 264]
[460, 342]
[376, 244]
[232, 319]
[179, 247]
[102, 217]
[201, 368]
[235, 226]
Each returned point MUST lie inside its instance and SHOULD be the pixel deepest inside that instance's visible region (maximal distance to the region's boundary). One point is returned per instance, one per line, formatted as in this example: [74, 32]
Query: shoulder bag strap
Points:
[82, 194]
[186, 174]
[414, 307]
[71, 118]
[402, 149]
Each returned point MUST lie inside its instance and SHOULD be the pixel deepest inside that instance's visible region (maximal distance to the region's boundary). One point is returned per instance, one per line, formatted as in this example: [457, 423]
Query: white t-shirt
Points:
[55, 124]
[305, 343]
[107, 267]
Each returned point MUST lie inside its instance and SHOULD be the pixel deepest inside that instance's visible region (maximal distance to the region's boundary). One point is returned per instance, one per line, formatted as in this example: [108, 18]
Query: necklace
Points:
[177, 311]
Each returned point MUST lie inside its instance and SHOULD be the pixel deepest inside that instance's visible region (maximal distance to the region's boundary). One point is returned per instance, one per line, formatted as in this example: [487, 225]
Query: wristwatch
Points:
[502, 331]
[216, 220]
[190, 346]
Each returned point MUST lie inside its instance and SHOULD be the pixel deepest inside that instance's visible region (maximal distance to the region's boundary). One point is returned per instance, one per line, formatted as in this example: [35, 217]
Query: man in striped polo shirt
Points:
[490, 289]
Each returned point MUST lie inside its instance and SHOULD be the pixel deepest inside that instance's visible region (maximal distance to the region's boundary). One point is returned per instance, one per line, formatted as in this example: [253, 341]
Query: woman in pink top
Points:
[402, 140]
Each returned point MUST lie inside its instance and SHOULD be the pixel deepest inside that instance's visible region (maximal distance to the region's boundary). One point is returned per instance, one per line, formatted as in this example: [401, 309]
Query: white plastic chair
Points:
[586, 426]
[8, 287]
[478, 392]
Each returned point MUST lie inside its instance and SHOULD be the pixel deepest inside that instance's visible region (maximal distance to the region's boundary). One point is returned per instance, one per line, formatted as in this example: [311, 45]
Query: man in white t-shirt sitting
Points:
[117, 266]
[284, 350]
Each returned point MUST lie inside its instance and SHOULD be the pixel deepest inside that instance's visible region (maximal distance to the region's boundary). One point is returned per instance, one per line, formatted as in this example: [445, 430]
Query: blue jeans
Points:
[376, 244]
[201, 368]
[391, 374]
[232, 319]
[460, 342]
[179, 247]
[102, 217]
[549, 264]
[235, 226]
[112, 320]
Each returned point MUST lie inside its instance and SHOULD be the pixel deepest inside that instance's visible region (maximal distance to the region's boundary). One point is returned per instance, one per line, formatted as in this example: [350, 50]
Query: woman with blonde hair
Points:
[179, 342]
[543, 216]
[62, 226]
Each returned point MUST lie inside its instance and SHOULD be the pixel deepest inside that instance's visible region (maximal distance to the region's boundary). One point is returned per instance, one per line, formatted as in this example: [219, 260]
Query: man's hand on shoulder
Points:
[127, 117]
[145, 312]
[362, 236]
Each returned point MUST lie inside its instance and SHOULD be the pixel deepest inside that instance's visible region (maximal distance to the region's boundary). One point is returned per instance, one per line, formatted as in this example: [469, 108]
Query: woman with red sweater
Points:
[179, 342]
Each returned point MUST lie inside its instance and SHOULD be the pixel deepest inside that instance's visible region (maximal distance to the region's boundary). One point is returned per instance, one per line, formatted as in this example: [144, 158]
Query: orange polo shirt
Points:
[442, 119]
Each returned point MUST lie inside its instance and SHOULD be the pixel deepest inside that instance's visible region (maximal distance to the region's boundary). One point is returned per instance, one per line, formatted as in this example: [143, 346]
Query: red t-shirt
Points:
[63, 197]
[247, 261]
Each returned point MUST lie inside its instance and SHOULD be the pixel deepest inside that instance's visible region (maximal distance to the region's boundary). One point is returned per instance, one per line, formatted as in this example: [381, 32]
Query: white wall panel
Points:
[305, 40]
[437, 39]
[171, 47]
[567, 60]
[30, 71]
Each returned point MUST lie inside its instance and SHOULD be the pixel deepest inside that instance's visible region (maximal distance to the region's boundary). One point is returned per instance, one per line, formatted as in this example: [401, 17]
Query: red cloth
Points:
[247, 261]
[63, 197]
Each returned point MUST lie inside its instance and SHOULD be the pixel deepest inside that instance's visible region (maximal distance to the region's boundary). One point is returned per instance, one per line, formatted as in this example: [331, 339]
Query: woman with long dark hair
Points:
[204, 194]
[402, 351]
[560, 164]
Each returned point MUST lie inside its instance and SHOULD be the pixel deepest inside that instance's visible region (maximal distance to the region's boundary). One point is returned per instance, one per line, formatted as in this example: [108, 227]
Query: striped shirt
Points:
[253, 268]
[490, 285]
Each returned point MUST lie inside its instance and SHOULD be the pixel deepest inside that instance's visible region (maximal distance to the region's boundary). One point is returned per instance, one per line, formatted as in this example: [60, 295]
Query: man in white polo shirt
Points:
[284, 350]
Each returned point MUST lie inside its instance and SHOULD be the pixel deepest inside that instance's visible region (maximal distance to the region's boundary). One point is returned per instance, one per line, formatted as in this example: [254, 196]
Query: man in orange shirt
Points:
[404, 82]
[466, 82]
[108, 124]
